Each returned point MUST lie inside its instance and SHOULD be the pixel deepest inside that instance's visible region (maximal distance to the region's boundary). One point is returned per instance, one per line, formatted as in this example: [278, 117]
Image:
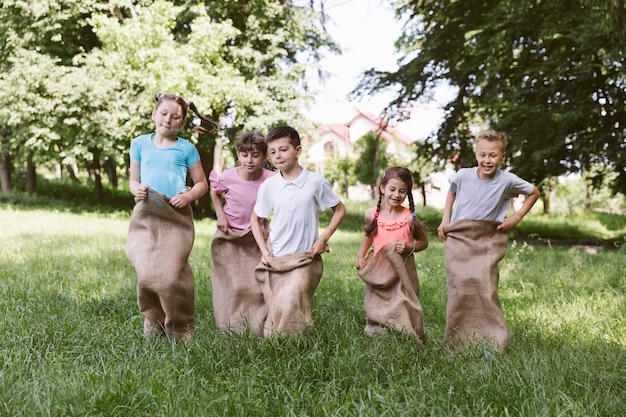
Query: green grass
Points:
[71, 341]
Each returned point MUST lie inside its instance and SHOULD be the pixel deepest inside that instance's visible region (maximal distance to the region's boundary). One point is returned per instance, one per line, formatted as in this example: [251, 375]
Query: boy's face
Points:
[284, 156]
[251, 160]
[489, 155]
[168, 118]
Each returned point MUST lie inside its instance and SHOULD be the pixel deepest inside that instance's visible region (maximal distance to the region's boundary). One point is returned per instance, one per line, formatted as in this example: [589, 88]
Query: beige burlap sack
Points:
[392, 294]
[160, 238]
[473, 249]
[237, 297]
[288, 284]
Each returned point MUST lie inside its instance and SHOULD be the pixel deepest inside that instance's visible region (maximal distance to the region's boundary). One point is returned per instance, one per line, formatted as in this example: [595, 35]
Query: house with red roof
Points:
[337, 140]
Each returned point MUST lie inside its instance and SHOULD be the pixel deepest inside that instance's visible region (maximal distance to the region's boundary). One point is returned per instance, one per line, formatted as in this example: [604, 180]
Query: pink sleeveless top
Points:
[390, 230]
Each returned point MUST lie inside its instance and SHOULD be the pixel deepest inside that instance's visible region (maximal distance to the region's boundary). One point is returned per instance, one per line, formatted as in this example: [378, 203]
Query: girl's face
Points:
[252, 160]
[489, 155]
[168, 118]
[284, 155]
[394, 192]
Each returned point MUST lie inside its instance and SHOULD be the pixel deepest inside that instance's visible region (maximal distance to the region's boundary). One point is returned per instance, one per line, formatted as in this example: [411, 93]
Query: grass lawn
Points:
[71, 342]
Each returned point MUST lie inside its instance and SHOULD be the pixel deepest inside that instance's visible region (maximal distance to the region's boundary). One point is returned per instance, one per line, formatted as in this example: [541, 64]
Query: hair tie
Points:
[413, 214]
[376, 215]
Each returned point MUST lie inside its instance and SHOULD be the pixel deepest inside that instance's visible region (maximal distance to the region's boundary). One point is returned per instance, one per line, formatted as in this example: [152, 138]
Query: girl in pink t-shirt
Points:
[237, 298]
[392, 287]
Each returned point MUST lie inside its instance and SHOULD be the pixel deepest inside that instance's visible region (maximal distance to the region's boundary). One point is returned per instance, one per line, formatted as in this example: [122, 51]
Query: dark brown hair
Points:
[251, 141]
[282, 132]
[418, 229]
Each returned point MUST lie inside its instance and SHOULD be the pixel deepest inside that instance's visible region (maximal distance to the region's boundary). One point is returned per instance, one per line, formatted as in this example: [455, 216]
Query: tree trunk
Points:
[95, 170]
[72, 173]
[5, 174]
[111, 170]
[31, 174]
[423, 190]
[203, 206]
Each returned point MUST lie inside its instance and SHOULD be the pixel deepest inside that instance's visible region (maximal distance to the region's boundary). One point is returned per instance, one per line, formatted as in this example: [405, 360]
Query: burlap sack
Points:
[288, 284]
[473, 249]
[160, 238]
[392, 294]
[237, 297]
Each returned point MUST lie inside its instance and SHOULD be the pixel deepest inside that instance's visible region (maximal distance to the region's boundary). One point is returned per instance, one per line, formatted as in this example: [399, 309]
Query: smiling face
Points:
[489, 155]
[394, 192]
[168, 118]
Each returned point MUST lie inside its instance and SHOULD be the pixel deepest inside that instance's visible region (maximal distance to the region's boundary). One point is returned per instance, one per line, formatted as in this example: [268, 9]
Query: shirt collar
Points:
[299, 182]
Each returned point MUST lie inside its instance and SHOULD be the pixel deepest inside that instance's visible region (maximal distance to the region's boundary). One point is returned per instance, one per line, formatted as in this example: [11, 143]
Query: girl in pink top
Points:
[237, 298]
[389, 272]
[389, 221]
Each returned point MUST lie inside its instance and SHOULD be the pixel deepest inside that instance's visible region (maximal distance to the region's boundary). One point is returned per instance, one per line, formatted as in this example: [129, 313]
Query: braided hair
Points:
[418, 228]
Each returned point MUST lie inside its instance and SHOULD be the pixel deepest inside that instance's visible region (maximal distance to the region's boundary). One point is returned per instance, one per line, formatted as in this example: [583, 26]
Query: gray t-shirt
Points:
[478, 199]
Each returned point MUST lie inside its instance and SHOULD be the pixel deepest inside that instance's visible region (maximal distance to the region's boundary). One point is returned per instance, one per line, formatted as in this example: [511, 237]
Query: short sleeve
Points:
[216, 182]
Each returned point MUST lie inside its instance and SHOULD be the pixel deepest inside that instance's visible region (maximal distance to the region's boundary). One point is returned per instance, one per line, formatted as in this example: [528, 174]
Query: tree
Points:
[94, 66]
[540, 71]
[372, 159]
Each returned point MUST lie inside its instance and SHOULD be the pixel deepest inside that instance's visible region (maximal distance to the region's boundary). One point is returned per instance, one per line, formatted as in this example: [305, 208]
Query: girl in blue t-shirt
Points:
[161, 231]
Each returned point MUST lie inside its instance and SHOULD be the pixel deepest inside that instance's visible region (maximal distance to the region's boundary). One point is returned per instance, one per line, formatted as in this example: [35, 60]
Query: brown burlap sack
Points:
[160, 238]
[288, 284]
[392, 294]
[237, 297]
[473, 249]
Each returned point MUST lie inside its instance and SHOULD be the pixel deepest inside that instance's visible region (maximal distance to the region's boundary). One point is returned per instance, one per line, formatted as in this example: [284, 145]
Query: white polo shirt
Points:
[295, 206]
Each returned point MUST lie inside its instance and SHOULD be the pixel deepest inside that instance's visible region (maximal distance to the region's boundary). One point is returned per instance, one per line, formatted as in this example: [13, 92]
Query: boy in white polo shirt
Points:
[295, 198]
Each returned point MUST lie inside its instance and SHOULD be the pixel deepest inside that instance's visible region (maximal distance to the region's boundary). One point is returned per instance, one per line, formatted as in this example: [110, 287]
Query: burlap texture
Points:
[288, 284]
[237, 297]
[473, 249]
[160, 238]
[392, 294]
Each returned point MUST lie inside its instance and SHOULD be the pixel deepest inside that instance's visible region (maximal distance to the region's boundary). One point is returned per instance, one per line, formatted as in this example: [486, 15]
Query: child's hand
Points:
[180, 200]
[440, 231]
[509, 223]
[319, 246]
[402, 247]
[360, 263]
[141, 192]
[222, 224]
[266, 257]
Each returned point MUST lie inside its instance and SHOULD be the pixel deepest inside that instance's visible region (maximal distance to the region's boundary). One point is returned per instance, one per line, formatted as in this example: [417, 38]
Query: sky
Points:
[366, 31]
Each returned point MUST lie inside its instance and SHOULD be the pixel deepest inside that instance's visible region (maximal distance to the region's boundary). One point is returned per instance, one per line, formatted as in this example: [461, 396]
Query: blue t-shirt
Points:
[163, 169]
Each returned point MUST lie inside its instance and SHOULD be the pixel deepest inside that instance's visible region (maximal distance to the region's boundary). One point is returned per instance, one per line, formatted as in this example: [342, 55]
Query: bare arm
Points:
[200, 187]
[218, 205]
[366, 243]
[257, 232]
[447, 213]
[136, 189]
[510, 222]
[319, 246]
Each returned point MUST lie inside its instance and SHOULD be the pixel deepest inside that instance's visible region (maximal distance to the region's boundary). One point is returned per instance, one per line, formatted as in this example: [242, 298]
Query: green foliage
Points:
[79, 77]
[540, 71]
[72, 341]
[372, 159]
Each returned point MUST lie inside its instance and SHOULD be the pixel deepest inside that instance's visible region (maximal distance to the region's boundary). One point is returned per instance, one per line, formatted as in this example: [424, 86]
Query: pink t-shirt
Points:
[390, 230]
[240, 195]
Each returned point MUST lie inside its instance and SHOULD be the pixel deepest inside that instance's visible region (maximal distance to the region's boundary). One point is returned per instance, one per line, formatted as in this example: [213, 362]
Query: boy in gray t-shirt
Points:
[474, 231]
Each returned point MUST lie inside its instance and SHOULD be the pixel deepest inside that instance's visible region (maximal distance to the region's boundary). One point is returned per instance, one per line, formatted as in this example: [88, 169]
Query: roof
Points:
[388, 132]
